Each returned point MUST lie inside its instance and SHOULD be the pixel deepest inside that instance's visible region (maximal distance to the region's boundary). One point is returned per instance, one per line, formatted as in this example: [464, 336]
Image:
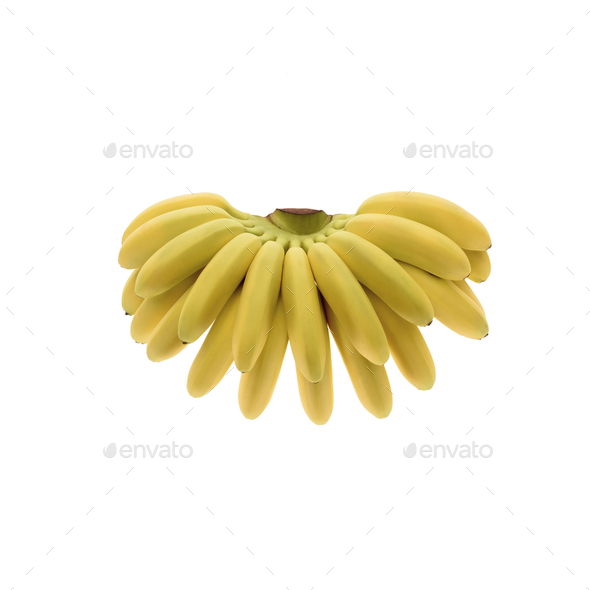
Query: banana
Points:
[215, 355]
[164, 342]
[215, 285]
[317, 399]
[369, 380]
[260, 283]
[152, 310]
[147, 239]
[407, 346]
[258, 384]
[182, 202]
[469, 292]
[442, 215]
[452, 307]
[303, 311]
[257, 306]
[480, 265]
[184, 255]
[384, 276]
[414, 243]
[130, 301]
[346, 297]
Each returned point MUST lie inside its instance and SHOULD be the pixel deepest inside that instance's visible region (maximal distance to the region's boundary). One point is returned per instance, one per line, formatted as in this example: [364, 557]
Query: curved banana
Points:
[257, 307]
[349, 302]
[481, 266]
[469, 292]
[303, 311]
[182, 202]
[384, 276]
[164, 342]
[407, 346]
[184, 255]
[215, 285]
[152, 310]
[438, 213]
[317, 399]
[130, 301]
[147, 239]
[414, 243]
[215, 356]
[370, 381]
[258, 384]
[452, 307]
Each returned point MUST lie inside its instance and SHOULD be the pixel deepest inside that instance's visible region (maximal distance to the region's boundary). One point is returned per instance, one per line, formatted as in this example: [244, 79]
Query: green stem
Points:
[300, 221]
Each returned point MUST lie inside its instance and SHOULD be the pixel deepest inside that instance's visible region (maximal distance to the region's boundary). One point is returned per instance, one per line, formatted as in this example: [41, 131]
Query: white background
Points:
[292, 105]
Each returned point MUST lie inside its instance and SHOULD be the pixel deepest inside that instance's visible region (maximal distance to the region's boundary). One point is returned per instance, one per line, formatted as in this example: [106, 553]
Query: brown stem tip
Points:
[299, 211]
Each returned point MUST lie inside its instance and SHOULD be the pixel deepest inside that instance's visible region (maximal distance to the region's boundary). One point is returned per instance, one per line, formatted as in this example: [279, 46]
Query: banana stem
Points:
[300, 221]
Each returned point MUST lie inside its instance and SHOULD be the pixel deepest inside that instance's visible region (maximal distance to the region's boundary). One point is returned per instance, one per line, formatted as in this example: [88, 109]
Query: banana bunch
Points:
[371, 279]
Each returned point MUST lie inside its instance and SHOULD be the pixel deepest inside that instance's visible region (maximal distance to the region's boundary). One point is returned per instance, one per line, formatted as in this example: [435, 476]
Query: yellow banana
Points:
[215, 356]
[349, 302]
[469, 292]
[215, 285]
[303, 311]
[147, 239]
[184, 255]
[130, 301]
[384, 276]
[257, 306]
[414, 243]
[480, 265]
[452, 307]
[317, 399]
[407, 346]
[152, 310]
[442, 215]
[164, 342]
[369, 380]
[182, 202]
[258, 384]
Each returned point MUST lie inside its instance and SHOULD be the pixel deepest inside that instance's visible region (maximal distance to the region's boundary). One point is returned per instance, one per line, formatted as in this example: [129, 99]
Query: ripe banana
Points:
[130, 301]
[396, 264]
[257, 306]
[184, 255]
[442, 215]
[182, 202]
[469, 292]
[414, 243]
[480, 265]
[152, 310]
[317, 399]
[370, 381]
[215, 355]
[452, 307]
[215, 285]
[258, 384]
[384, 276]
[407, 346]
[147, 239]
[164, 342]
[302, 308]
[354, 310]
